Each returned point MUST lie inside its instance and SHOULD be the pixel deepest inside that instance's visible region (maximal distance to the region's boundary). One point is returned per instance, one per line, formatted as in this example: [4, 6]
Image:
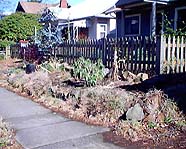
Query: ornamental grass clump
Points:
[87, 71]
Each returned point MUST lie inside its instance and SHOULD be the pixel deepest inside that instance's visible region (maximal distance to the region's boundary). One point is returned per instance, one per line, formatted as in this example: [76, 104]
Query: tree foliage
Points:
[50, 35]
[17, 26]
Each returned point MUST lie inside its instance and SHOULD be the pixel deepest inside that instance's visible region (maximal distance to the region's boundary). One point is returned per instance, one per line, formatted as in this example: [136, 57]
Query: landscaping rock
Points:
[30, 68]
[105, 71]
[142, 76]
[135, 113]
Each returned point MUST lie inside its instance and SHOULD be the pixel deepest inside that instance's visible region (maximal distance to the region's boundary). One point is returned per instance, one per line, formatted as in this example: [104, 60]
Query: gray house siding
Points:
[145, 13]
[144, 22]
[145, 26]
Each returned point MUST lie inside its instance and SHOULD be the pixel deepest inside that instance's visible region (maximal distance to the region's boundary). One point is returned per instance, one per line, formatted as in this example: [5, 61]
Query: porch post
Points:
[122, 23]
[153, 19]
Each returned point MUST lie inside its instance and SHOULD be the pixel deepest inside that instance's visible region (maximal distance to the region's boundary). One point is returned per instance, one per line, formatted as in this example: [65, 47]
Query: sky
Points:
[10, 5]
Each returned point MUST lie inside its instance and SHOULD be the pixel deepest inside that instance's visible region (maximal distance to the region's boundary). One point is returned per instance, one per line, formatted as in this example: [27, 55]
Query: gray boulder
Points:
[135, 113]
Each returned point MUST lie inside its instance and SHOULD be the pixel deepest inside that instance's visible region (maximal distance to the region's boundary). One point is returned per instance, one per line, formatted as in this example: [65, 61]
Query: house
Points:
[147, 17]
[86, 20]
[36, 7]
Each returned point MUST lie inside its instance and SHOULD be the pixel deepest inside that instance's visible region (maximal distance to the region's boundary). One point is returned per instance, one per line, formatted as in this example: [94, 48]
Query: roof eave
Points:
[121, 3]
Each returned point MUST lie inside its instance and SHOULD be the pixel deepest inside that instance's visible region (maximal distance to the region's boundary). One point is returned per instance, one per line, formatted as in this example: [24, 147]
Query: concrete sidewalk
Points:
[37, 127]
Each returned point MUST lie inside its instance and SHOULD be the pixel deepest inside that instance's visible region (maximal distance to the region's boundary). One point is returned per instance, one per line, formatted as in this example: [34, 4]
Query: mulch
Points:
[167, 143]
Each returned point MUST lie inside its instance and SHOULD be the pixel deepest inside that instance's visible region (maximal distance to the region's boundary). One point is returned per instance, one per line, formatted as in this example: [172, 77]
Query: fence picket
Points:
[173, 53]
[140, 54]
[177, 53]
[169, 54]
[181, 54]
[162, 54]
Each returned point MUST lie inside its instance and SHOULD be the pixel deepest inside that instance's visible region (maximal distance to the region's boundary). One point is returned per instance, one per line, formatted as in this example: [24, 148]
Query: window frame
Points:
[100, 31]
[176, 15]
[139, 27]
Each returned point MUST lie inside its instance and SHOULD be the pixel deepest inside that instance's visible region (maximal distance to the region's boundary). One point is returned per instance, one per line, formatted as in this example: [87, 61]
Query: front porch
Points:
[147, 18]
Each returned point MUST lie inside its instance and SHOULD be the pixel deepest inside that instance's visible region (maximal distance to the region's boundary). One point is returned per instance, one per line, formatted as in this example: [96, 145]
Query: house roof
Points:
[85, 9]
[90, 8]
[32, 7]
[128, 2]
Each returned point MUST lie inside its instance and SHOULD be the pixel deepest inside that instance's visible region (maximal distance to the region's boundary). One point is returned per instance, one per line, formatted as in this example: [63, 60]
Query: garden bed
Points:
[134, 116]
[7, 137]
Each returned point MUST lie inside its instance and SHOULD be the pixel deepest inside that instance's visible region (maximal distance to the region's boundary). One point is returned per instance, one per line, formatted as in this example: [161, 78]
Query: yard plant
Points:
[87, 71]
[16, 27]
[2, 56]
[5, 134]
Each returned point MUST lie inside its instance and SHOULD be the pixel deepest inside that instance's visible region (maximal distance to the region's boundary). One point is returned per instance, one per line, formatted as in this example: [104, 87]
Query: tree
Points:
[17, 26]
[50, 35]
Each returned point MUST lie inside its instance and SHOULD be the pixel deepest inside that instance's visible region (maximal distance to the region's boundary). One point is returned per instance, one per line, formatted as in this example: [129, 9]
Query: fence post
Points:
[103, 51]
[7, 52]
[158, 55]
[162, 53]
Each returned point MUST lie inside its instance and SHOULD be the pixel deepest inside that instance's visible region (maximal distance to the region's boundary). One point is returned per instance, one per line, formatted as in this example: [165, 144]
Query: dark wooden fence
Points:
[15, 51]
[137, 54]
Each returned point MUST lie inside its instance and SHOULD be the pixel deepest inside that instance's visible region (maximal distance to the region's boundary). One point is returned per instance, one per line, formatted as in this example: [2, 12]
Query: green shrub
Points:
[85, 70]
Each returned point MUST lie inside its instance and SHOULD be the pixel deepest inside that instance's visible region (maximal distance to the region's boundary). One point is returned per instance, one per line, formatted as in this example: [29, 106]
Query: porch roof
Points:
[130, 2]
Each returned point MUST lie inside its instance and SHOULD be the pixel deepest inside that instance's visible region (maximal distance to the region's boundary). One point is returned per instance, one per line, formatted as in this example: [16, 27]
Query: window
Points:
[132, 25]
[102, 30]
[180, 18]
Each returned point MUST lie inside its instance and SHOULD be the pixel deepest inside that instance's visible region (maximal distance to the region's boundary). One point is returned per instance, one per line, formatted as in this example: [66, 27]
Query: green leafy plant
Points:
[152, 125]
[2, 57]
[181, 123]
[169, 30]
[85, 70]
[17, 26]
[168, 119]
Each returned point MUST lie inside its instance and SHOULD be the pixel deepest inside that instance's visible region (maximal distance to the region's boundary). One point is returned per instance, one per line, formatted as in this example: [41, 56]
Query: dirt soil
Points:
[171, 143]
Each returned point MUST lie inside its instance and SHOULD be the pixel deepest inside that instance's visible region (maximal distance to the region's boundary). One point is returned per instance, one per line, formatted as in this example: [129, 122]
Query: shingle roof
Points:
[32, 7]
[85, 9]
